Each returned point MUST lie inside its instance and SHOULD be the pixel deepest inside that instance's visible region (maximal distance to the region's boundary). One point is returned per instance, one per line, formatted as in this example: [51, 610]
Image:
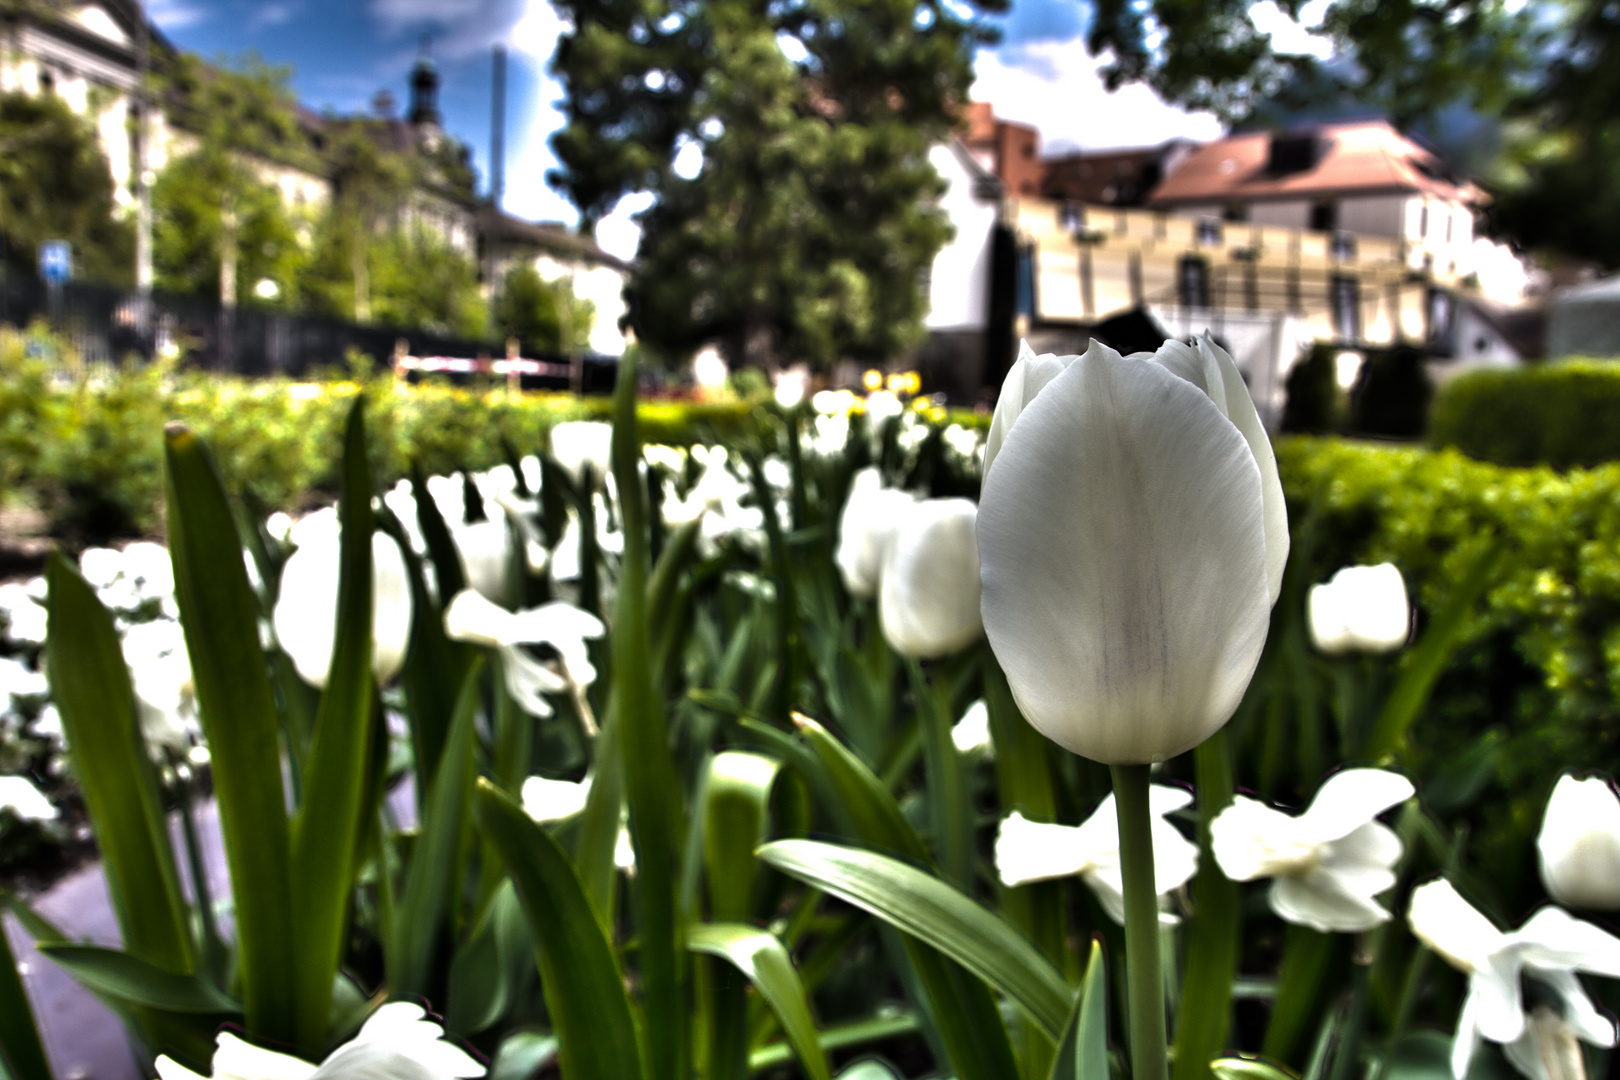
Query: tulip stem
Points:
[1148, 1058]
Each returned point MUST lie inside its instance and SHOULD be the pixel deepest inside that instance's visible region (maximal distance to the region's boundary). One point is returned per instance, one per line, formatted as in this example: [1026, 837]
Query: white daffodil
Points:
[305, 616]
[25, 619]
[396, 1042]
[1132, 537]
[1579, 844]
[1360, 609]
[19, 795]
[547, 800]
[17, 681]
[872, 513]
[469, 617]
[1029, 851]
[485, 547]
[1549, 949]
[1329, 863]
[576, 444]
[971, 735]
[928, 590]
[160, 673]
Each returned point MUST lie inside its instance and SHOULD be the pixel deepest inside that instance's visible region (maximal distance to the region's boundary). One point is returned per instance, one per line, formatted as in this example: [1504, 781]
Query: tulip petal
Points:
[1318, 899]
[1451, 926]
[1579, 844]
[1123, 550]
[1349, 799]
[1030, 374]
[928, 592]
[305, 615]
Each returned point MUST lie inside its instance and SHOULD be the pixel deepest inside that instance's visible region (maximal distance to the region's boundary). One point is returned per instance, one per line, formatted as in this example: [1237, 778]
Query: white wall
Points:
[1374, 215]
[959, 282]
[1284, 213]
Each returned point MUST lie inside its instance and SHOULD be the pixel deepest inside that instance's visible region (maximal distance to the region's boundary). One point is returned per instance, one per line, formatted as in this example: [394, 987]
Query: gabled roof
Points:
[503, 229]
[1352, 158]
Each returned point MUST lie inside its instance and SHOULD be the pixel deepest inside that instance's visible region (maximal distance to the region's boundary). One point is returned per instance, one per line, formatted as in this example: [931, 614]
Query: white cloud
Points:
[1054, 86]
[535, 120]
[1289, 36]
[175, 14]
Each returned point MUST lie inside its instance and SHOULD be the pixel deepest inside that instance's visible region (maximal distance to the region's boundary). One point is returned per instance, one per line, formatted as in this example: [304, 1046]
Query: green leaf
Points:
[90, 685]
[1311, 968]
[129, 978]
[927, 908]
[764, 960]
[599, 825]
[1427, 659]
[1250, 1068]
[522, 1055]
[873, 813]
[1083, 1054]
[435, 873]
[326, 833]
[238, 712]
[841, 1037]
[737, 801]
[950, 806]
[583, 986]
[656, 818]
[22, 1055]
[1214, 929]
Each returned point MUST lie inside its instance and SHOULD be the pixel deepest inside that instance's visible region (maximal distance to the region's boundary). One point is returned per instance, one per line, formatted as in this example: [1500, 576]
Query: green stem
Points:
[1148, 1058]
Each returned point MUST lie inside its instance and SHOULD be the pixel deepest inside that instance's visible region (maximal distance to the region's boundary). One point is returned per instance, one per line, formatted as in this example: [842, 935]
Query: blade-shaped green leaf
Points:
[238, 712]
[760, 956]
[22, 1055]
[925, 907]
[522, 1054]
[1248, 1068]
[874, 815]
[1213, 931]
[737, 799]
[325, 835]
[91, 687]
[656, 818]
[434, 873]
[580, 977]
[1083, 1054]
[950, 807]
[131, 979]
[839, 1037]
[1428, 657]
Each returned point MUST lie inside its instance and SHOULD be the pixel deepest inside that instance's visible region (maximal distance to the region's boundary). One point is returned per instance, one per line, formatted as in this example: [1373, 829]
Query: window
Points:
[1343, 246]
[1345, 293]
[1325, 215]
[1192, 282]
[1235, 211]
[1209, 232]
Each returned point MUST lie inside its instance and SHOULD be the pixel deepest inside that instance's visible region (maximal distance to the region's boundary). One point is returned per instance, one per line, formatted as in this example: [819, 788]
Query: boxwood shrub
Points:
[1563, 414]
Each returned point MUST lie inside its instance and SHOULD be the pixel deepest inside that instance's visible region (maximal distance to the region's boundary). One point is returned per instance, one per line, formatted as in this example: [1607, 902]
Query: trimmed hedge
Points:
[1564, 414]
[1540, 659]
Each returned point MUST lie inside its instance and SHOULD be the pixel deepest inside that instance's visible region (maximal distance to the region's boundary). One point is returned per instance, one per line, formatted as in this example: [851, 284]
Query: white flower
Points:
[547, 800]
[578, 443]
[396, 1043]
[19, 795]
[18, 681]
[1032, 851]
[1328, 863]
[1548, 949]
[484, 547]
[972, 733]
[1360, 609]
[928, 590]
[1132, 534]
[866, 529]
[1580, 844]
[25, 620]
[470, 617]
[305, 616]
[160, 674]
[882, 406]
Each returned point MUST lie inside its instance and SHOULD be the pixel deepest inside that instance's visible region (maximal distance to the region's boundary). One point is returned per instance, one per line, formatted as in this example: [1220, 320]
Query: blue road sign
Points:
[55, 261]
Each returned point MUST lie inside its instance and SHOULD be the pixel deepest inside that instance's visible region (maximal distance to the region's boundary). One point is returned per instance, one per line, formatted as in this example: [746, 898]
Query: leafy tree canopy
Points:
[809, 226]
[545, 316]
[55, 185]
[189, 200]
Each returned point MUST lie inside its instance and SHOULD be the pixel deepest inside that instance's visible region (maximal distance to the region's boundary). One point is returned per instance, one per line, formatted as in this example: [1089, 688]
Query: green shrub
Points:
[1313, 406]
[1541, 656]
[1563, 414]
[1391, 398]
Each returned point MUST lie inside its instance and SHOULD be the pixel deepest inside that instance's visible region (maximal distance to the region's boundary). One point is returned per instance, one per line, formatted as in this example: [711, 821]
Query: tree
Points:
[545, 316]
[55, 185]
[811, 223]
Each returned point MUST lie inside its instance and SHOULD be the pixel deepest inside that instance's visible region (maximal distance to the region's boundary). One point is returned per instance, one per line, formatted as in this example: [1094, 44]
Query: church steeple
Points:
[425, 89]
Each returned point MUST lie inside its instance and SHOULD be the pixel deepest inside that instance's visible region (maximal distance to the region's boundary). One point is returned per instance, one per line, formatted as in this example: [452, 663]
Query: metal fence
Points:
[105, 326]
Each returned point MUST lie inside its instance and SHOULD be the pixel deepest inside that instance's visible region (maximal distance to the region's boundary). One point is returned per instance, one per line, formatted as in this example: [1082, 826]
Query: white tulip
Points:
[866, 528]
[305, 617]
[1360, 609]
[1329, 863]
[1029, 851]
[396, 1042]
[881, 407]
[928, 590]
[1549, 950]
[971, 735]
[19, 795]
[485, 547]
[471, 618]
[160, 674]
[25, 619]
[1132, 536]
[578, 443]
[1580, 844]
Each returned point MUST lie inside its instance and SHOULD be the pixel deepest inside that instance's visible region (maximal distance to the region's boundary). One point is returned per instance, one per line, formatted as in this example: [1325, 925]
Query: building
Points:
[558, 254]
[1113, 177]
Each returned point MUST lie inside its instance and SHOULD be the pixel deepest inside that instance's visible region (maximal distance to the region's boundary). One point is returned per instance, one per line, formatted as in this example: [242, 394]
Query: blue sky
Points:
[343, 51]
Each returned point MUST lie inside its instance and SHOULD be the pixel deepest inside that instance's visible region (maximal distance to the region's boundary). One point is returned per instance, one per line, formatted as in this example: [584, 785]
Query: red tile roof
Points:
[1354, 158]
